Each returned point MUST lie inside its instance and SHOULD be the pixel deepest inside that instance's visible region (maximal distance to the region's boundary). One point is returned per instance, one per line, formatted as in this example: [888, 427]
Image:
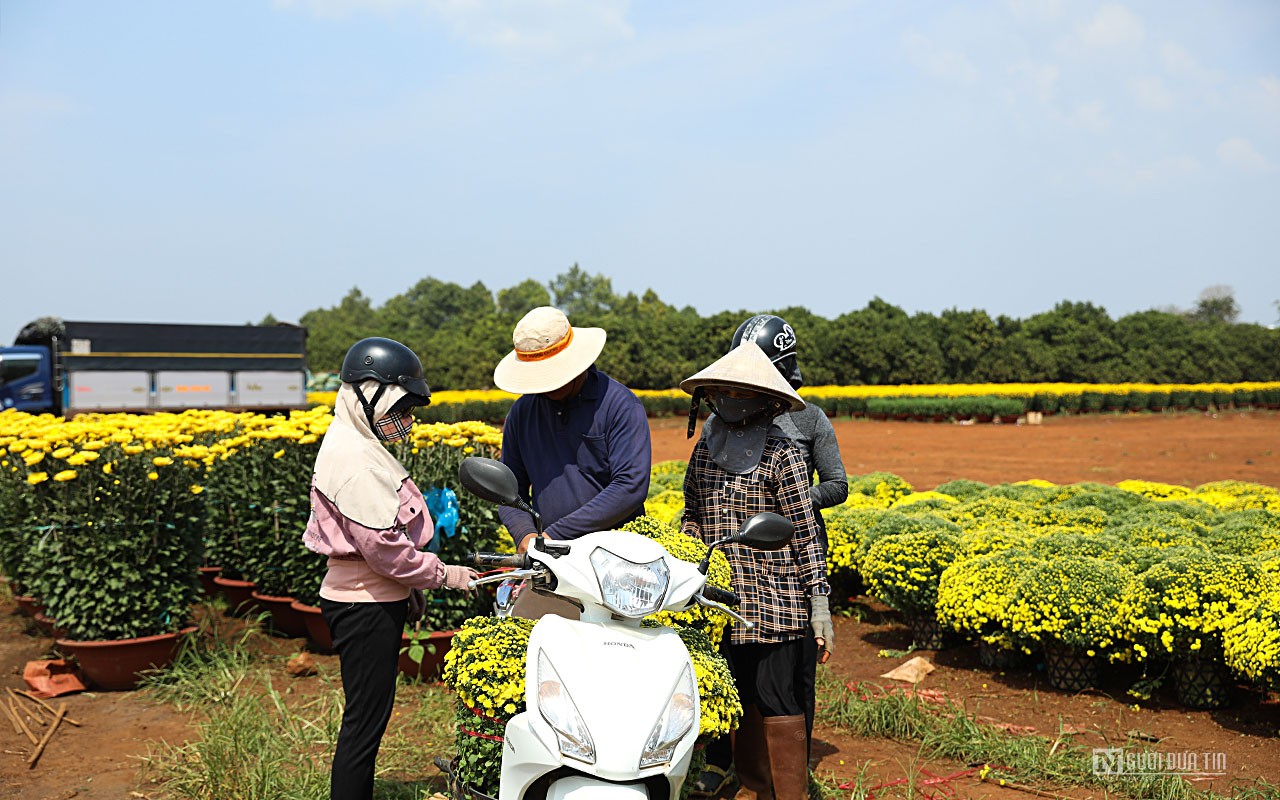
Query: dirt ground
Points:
[99, 759]
[1188, 448]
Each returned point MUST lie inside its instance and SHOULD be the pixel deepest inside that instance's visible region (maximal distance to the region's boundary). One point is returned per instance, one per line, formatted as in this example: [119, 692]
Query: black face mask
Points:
[742, 410]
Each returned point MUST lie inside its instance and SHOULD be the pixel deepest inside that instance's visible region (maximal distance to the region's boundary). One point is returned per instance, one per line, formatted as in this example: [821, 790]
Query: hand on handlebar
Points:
[458, 577]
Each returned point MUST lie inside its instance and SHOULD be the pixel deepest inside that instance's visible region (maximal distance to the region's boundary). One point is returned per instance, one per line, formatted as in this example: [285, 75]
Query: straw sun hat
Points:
[548, 353]
[745, 367]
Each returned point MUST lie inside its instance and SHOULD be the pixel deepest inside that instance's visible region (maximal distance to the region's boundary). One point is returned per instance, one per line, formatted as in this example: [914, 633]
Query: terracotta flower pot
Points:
[284, 618]
[47, 625]
[317, 628]
[28, 605]
[432, 663]
[116, 664]
[239, 595]
[207, 574]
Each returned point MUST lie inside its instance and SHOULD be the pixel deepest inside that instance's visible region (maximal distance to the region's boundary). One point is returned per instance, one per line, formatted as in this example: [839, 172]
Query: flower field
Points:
[1147, 575]
[920, 401]
[1140, 572]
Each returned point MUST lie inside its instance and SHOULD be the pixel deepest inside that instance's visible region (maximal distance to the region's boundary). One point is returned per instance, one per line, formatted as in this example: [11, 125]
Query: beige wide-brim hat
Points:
[549, 352]
[745, 367]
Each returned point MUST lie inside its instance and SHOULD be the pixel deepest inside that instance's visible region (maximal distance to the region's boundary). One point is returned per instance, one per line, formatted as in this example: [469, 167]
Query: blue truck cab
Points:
[27, 379]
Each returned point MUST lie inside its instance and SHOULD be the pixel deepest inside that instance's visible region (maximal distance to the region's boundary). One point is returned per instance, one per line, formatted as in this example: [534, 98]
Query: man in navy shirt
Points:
[577, 440]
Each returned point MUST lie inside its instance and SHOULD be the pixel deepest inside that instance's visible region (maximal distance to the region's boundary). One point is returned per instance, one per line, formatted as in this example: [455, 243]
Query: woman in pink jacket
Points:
[370, 519]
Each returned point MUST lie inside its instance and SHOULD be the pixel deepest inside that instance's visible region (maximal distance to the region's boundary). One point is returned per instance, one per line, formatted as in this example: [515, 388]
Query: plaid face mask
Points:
[394, 427]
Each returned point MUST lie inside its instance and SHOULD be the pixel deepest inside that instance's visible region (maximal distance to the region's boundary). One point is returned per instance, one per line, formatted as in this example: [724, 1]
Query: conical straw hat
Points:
[745, 367]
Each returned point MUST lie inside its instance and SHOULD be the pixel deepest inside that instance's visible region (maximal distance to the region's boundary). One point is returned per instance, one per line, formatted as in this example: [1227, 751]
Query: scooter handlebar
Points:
[515, 560]
[718, 595]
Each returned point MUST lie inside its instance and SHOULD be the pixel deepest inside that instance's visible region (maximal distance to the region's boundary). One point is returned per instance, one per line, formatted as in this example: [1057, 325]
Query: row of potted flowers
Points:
[109, 516]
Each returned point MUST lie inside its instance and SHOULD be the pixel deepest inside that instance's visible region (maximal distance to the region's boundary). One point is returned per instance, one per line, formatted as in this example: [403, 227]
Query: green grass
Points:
[261, 735]
[949, 733]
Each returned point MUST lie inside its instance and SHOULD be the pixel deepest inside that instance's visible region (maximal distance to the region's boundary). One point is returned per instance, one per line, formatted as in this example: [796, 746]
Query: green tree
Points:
[330, 331]
[1082, 339]
[578, 294]
[648, 346]
[881, 344]
[1216, 304]
[522, 298]
[965, 338]
[1156, 347]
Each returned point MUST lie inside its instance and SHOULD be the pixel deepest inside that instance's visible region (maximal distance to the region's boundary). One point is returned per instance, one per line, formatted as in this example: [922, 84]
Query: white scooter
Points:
[612, 708]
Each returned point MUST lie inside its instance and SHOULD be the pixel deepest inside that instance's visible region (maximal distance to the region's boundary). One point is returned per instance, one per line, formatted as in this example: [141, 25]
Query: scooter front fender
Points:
[586, 788]
[525, 758]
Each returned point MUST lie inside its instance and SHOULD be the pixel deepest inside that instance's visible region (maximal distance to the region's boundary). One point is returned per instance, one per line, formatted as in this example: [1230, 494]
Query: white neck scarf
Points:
[354, 469]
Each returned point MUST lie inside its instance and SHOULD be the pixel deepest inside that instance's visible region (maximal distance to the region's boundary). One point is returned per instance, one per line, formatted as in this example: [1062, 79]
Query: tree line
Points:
[462, 332]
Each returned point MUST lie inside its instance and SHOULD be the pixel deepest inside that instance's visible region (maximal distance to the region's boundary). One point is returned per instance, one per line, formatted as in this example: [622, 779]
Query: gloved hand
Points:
[458, 577]
[823, 631]
[417, 606]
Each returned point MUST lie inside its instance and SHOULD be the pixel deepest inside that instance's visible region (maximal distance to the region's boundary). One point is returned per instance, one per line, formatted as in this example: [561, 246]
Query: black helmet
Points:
[778, 341]
[385, 361]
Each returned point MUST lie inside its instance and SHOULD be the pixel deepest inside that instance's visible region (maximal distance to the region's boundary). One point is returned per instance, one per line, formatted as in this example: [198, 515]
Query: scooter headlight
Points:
[557, 708]
[630, 589]
[675, 722]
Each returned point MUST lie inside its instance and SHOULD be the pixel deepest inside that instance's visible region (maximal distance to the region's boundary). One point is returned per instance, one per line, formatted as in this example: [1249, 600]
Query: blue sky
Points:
[217, 162]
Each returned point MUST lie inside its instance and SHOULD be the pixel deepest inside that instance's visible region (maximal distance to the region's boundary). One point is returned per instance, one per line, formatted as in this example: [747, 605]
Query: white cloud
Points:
[947, 65]
[1270, 88]
[1036, 9]
[1167, 169]
[1239, 152]
[1150, 92]
[1114, 26]
[1040, 81]
[537, 25]
[1177, 60]
[337, 9]
[540, 25]
[1120, 173]
[1091, 116]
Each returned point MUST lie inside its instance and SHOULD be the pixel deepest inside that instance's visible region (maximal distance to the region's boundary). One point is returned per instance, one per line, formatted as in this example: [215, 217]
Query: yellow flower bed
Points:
[1024, 390]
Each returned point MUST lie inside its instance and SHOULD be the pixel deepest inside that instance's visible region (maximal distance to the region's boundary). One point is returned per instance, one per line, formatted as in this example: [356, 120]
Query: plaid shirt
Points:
[774, 587]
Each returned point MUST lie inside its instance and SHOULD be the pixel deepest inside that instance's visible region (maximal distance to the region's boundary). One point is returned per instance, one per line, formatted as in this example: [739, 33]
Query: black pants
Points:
[773, 677]
[367, 638]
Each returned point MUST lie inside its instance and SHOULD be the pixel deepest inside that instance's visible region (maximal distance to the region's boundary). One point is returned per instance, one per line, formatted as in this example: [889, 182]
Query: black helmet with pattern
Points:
[778, 341]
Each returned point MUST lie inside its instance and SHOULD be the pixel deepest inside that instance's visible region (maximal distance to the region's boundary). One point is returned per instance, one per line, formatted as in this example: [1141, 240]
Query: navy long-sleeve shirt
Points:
[584, 462]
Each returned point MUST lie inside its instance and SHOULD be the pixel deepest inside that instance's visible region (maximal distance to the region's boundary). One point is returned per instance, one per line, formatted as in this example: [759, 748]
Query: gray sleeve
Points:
[832, 487]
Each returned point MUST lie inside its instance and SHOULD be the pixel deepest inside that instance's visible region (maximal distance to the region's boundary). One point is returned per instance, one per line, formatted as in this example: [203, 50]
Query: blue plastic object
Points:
[443, 505]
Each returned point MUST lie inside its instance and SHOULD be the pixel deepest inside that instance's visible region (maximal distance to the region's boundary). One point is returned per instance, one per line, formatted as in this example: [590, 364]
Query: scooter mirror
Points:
[766, 531]
[490, 480]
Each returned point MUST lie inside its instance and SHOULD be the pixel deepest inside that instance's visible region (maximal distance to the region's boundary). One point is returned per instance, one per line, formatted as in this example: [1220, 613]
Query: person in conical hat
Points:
[810, 429]
[742, 466]
[370, 519]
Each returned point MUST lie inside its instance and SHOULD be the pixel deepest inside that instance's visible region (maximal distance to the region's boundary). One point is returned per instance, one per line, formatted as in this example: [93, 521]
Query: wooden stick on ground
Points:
[44, 705]
[12, 719]
[62, 712]
[14, 711]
